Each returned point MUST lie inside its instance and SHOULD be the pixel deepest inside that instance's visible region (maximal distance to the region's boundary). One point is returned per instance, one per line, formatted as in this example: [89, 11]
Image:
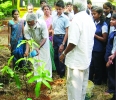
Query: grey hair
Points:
[79, 6]
[31, 17]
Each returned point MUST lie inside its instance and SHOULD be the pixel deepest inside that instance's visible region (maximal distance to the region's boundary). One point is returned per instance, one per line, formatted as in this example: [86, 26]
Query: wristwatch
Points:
[63, 43]
[63, 53]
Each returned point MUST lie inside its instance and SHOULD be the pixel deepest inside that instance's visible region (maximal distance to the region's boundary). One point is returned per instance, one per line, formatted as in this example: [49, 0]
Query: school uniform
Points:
[110, 49]
[105, 75]
[96, 65]
[107, 20]
[60, 23]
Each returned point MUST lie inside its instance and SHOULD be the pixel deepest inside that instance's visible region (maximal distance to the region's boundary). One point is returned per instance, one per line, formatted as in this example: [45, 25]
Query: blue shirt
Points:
[98, 45]
[60, 23]
[109, 45]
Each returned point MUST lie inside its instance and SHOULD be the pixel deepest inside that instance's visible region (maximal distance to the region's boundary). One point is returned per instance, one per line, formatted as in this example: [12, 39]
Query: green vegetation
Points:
[42, 77]
[6, 9]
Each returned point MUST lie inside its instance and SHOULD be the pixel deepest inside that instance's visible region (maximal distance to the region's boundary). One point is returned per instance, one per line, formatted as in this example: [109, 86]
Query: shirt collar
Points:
[115, 29]
[61, 15]
[37, 25]
[109, 15]
[97, 22]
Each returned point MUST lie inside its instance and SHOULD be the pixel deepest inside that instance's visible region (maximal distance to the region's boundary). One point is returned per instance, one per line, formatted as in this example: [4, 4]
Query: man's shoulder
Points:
[40, 22]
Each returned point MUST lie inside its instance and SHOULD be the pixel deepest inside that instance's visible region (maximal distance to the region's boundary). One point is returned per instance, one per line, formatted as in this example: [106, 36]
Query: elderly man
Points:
[78, 52]
[29, 10]
[37, 30]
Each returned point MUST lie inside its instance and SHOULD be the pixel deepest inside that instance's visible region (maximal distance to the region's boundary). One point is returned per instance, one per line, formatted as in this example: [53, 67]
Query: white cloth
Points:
[54, 13]
[81, 33]
[38, 33]
[114, 45]
[77, 81]
[71, 15]
[39, 13]
[111, 29]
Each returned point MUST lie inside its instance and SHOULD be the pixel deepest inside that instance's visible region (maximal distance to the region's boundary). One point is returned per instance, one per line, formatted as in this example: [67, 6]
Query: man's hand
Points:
[37, 51]
[61, 58]
[26, 54]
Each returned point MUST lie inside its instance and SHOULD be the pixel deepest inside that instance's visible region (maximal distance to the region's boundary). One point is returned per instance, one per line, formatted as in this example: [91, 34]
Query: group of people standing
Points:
[77, 39]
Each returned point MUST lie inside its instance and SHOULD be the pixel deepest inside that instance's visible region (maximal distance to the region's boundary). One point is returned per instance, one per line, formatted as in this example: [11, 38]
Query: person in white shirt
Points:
[78, 52]
[40, 12]
[29, 10]
[37, 30]
[70, 11]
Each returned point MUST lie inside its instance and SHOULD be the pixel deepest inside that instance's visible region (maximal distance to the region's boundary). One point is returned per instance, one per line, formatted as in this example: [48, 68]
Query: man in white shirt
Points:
[29, 10]
[78, 52]
[40, 12]
[37, 30]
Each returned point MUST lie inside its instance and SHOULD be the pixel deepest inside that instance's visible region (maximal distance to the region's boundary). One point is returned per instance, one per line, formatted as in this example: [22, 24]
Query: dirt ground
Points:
[58, 91]
[10, 91]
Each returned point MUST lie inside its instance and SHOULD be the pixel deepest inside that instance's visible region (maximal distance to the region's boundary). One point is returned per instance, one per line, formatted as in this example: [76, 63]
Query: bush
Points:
[6, 9]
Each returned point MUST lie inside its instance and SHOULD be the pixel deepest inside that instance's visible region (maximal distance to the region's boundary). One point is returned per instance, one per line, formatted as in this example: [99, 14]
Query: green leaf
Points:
[29, 99]
[9, 61]
[34, 78]
[10, 71]
[4, 69]
[48, 79]
[29, 74]
[31, 60]
[1, 13]
[36, 44]
[37, 89]
[46, 83]
[22, 42]
[1, 85]
[17, 81]
[20, 60]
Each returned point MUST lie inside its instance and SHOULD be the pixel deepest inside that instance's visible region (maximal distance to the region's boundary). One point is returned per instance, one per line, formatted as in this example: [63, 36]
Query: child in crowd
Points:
[107, 7]
[60, 27]
[70, 11]
[29, 10]
[40, 12]
[100, 38]
[110, 58]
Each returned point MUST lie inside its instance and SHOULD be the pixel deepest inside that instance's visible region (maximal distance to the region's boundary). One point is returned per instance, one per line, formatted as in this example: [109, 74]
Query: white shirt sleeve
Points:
[26, 33]
[104, 29]
[75, 34]
[114, 45]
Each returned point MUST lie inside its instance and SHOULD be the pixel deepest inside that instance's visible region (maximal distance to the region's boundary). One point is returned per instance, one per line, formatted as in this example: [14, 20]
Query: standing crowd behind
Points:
[78, 36]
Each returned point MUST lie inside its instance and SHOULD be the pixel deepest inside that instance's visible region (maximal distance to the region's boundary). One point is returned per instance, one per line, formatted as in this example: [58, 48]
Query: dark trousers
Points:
[60, 67]
[96, 67]
[111, 78]
[105, 72]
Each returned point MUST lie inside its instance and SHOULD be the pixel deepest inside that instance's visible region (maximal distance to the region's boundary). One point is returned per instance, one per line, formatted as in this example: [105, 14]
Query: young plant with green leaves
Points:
[43, 76]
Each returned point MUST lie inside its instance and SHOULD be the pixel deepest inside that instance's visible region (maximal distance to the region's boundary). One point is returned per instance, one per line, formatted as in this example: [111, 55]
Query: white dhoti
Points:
[77, 81]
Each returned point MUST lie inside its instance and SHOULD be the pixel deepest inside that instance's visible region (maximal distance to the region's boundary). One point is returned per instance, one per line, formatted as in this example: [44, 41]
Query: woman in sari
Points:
[16, 30]
[48, 19]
